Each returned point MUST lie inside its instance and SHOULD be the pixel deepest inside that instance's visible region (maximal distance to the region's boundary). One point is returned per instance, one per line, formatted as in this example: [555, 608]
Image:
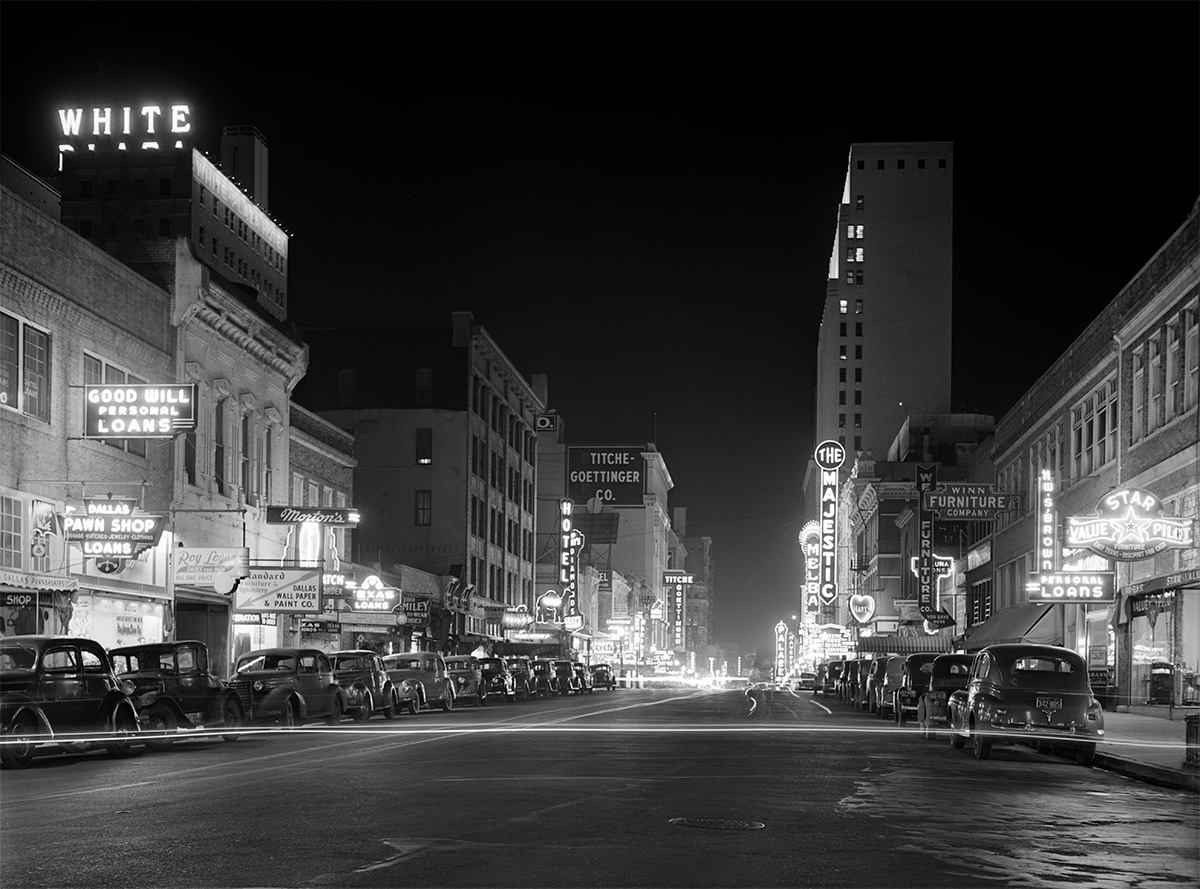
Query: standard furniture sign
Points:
[290, 590]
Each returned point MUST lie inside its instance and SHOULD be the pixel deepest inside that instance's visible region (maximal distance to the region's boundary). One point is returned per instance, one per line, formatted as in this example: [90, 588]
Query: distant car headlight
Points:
[259, 685]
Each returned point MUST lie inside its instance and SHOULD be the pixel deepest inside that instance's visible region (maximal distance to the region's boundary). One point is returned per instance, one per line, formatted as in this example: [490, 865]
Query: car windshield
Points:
[260, 662]
[17, 657]
[349, 662]
[411, 663]
[516, 665]
[491, 664]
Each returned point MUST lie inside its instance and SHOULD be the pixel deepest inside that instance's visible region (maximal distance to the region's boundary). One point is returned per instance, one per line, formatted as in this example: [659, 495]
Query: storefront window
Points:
[115, 621]
[1151, 648]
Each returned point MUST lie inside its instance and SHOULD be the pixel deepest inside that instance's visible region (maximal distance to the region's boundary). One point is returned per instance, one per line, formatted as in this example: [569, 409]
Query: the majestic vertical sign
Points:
[570, 543]
[829, 457]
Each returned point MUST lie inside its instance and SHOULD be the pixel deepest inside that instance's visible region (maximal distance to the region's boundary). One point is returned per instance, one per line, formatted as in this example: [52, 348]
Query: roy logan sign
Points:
[1129, 526]
[138, 411]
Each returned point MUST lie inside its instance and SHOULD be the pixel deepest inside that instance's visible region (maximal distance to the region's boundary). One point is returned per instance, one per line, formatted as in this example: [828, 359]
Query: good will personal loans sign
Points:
[141, 411]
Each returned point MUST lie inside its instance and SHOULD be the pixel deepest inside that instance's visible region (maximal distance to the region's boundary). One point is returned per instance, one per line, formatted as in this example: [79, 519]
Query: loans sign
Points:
[138, 411]
[110, 527]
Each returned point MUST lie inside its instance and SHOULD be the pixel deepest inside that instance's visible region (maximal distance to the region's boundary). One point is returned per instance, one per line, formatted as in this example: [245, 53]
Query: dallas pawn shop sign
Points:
[138, 411]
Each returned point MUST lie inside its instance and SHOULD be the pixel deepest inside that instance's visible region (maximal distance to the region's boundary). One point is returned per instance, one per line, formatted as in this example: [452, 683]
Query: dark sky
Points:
[639, 199]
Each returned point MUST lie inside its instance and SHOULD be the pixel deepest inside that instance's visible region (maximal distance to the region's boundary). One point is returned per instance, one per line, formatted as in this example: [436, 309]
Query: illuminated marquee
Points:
[570, 543]
[138, 411]
[1092, 587]
[372, 596]
[1129, 526]
[1047, 552]
[110, 527]
[679, 580]
[810, 546]
[829, 457]
[125, 126]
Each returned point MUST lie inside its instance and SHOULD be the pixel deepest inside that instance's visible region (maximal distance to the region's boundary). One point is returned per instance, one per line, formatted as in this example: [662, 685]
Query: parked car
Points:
[947, 674]
[1022, 693]
[521, 669]
[369, 689]
[885, 692]
[545, 678]
[61, 690]
[468, 678]
[584, 677]
[872, 680]
[174, 690]
[496, 678]
[808, 680]
[568, 681]
[829, 677]
[288, 686]
[603, 676]
[914, 678]
[421, 680]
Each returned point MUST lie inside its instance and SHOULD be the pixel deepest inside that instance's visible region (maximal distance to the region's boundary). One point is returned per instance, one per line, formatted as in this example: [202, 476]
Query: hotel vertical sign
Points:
[829, 457]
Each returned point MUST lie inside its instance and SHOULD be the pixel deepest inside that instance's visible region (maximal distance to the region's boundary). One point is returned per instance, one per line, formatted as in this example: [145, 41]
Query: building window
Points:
[86, 188]
[1139, 397]
[164, 188]
[858, 276]
[858, 421]
[842, 306]
[97, 372]
[312, 494]
[941, 163]
[862, 165]
[858, 304]
[858, 328]
[112, 188]
[900, 164]
[858, 396]
[858, 254]
[858, 353]
[842, 351]
[858, 374]
[858, 202]
[841, 396]
[849, 276]
[1154, 371]
[920, 163]
[1094, 431]
[1174, 387]
[880, 165]
[297, 490]
[246, 452]
[219, 445]
[841, 374]
[841, 421]
[164, 228]
[11, 533]
[850, 232]
[423, 396]
[842, 329]
[849, 254]
[189, 457]
[858, 442]
[1191, 359]
[201, 236]
[424, 446]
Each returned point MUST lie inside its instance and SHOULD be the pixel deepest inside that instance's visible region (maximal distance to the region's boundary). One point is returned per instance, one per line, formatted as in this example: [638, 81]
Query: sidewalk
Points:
[1149, 748]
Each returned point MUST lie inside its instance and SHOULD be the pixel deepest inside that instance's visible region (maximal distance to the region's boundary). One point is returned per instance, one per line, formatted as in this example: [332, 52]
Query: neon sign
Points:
[829, 457]
[810, 545]
[140, 125]
[570, 543]
[1129, 526]
[138, 411]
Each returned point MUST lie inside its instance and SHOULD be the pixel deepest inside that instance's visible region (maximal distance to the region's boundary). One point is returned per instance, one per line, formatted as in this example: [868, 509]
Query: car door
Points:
[310, 683]
[60, 690]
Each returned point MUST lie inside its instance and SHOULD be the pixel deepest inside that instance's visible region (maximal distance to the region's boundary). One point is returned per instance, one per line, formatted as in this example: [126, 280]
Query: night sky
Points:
[639, 199]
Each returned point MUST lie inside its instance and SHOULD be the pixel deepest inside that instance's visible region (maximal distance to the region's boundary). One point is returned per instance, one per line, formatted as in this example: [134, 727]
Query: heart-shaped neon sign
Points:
[862, 607]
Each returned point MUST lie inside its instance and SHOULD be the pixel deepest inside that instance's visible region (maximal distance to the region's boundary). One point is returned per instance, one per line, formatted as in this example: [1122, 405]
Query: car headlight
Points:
[259, 685]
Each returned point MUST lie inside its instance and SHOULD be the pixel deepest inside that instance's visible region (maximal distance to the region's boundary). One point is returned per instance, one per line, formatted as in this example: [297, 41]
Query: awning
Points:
[889, 644]
[1041, 624]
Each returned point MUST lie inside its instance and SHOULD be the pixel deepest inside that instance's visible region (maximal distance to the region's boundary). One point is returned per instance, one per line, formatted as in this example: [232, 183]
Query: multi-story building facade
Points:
[884, 346]
[1114, 420]
[446, 461]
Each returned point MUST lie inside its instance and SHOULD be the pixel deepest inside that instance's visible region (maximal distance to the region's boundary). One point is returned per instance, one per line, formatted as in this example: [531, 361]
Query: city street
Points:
[636, 787]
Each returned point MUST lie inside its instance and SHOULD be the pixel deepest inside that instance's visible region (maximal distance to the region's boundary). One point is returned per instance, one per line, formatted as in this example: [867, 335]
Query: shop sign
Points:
[48, 582]
[829, 457]
[141, 411]
[415, 610]
[570, 544]
[980, 555]
[1089, 587]
[1129, 526]
[517, 618]
[966, 502]
[322, 515]
[111, 528]
[613, 475]
[372, 596]
[255, 620]
[210, 566]
[1154, 584]
[283, 590]
[309, 627]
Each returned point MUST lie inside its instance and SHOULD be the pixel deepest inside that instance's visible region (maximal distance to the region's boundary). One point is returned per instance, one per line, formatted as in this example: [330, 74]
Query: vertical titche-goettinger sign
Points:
[678, 582]
[829, 457]
[138, 411]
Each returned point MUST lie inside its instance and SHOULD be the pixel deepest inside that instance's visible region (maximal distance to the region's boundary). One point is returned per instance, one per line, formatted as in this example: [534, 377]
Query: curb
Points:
[1161, 775]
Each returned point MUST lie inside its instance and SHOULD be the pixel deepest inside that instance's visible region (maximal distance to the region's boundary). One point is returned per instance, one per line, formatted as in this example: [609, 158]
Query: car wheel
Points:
[336, 715]
[389, 711]
[981, 747]
[287, 719]
[447, 702]
[481, 699]
[160, 721]
[414, 706]
[956, 740]
[901, 717]
[363, 713]
[17, 751]
[125, 726]
[233, 718]
[1085, 754]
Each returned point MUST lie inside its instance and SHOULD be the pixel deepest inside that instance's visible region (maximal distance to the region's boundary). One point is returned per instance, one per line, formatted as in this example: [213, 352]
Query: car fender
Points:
[14, 706]
[114, 702]
[340, 694]
[142, 703]
[273, 702]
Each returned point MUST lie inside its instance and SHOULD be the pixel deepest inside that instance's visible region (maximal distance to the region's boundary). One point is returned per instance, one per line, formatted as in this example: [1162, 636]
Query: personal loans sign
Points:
[138, 411]
[613, 475]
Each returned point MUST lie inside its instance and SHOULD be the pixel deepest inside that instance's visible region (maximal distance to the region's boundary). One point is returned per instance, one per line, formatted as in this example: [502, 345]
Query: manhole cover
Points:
[718, 823]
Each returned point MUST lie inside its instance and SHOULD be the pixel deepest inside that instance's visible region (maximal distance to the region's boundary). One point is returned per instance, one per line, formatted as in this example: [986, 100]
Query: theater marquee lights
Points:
[829, 457]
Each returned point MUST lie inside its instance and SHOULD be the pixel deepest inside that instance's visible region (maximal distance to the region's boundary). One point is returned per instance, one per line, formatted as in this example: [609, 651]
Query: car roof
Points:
[361, 652]
[289, 652]
[157, 647]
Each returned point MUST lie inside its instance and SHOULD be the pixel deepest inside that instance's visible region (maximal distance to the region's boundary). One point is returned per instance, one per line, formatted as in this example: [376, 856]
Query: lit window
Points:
[842, 351]
[858, 305]
[424, 446]
[858, 231]
[849, 276]
[842, 306]
[850, 232]
[858, 421]
[858, 254]
[858, 203]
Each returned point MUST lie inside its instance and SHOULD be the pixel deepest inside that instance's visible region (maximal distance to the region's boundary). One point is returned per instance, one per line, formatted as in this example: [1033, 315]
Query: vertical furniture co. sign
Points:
[829, 457]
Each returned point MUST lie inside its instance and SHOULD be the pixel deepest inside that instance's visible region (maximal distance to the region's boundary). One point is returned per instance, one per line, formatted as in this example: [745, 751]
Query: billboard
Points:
[614, 475]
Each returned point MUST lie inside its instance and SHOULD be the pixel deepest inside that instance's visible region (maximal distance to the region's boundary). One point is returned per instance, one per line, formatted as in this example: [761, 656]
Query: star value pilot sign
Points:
[1129, 526]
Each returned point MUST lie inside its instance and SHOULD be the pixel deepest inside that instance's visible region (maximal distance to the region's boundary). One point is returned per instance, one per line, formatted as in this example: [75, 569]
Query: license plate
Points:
[1049, 703]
